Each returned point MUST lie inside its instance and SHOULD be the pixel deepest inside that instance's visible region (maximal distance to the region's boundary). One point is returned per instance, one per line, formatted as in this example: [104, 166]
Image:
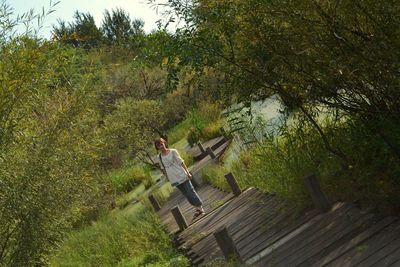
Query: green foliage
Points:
[212, 130]
[204, 123]
[179, 131]
[318, 57]
[118, 27]
[126, 178]
[130, 128]
[176, 106]
[83, 32]
[50, 147]
[120, 240]
[186, 157]
[214, 174]
[278, 164]
[122, 80]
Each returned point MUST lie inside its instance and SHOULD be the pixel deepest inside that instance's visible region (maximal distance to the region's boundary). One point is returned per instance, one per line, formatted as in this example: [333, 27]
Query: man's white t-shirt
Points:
[172, 162]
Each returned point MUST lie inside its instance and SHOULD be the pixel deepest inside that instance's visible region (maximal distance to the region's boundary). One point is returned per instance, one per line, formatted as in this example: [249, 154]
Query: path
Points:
[267, 232]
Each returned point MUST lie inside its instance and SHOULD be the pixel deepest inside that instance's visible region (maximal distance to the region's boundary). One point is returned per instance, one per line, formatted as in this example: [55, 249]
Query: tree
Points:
[312, 54]
[131, 128]
[49, 147]
[82, 32]
[118, 28]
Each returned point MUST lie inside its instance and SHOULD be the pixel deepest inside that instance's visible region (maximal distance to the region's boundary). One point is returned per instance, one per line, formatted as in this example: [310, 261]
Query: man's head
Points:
[159, 143]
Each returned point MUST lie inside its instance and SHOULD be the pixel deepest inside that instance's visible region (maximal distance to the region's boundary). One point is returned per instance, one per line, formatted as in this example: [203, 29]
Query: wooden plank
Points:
[217, 221]
[363, 250]
[288, 241]
[203, 232]
[179, 218]
[207, 193]
[391, 259]
[258, 215]
[395, 263]
[339, 242]
[210, 152]
[246, 220]
[233, 184]
[269, 233]
[296, 246]
[223, 211]
[195, 151]
[341, 232]
[355, 242]
[291, 242]
[205, 247]
[383, 253]
[263, 225]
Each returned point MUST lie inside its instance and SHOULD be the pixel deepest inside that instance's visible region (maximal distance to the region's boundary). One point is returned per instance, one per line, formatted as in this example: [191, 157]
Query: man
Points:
[174, 168]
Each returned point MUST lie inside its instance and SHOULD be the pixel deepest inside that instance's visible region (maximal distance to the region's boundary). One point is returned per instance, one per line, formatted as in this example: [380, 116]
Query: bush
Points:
[193, 136]
[179, 131]
[186, 157]
[126, 178]
[212, 130]
[176, 106]
[204, 123]
[214, 174]
[120, 240]
[278, 164]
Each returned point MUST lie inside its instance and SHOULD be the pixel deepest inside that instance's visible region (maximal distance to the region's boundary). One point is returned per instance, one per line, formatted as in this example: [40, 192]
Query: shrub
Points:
[193, 136]
[186, 157]
[179, 131]
[204, 123]
[214, 174]
[212, 130]
[176, 106]
[126, 178]
[120, 240]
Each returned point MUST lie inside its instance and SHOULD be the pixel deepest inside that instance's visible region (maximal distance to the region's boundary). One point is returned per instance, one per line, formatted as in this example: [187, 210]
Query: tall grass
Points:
[119, 239]
[128, 177]
[278, 164]
[179, 131]
[200, 124]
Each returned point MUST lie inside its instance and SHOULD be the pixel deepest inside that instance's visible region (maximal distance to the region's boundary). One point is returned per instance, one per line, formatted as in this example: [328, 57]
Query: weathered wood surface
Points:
[196, 168]
[267, 231]
[214, 143]
[211, 197]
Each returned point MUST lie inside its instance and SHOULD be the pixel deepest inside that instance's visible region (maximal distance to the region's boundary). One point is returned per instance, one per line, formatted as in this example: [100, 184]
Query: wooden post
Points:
[200, 145]
[318, 197]
[154, 203]
[233, 184]
[226, 244]
[223, 132]
[211, 153]
[179, 218]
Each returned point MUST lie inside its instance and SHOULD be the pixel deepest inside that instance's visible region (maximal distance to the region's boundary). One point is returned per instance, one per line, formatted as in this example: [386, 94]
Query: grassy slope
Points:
[131, 236]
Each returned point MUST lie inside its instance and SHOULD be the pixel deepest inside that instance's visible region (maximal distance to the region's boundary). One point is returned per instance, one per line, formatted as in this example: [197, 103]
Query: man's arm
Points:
[186, 170]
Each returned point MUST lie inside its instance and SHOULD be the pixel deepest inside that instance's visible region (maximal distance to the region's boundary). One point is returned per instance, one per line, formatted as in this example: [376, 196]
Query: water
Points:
[266, 118]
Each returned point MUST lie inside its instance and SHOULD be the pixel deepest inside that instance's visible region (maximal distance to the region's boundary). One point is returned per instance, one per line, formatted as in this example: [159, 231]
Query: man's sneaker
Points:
[198, 213]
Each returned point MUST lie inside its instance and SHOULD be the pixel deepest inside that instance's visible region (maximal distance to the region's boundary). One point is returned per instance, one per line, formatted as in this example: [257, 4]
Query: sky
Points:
[66, 8]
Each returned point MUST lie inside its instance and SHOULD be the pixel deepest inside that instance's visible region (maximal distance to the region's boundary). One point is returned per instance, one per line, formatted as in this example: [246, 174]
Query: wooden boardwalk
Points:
[267, 232]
